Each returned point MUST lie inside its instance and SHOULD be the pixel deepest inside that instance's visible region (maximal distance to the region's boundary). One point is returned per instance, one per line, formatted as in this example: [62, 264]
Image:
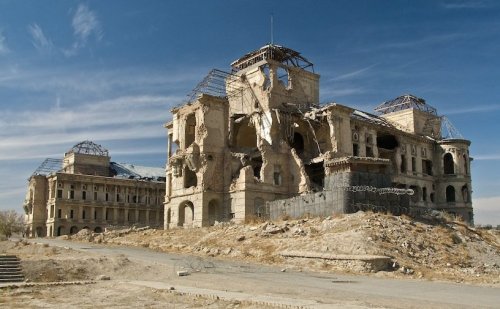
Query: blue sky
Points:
[110, 71]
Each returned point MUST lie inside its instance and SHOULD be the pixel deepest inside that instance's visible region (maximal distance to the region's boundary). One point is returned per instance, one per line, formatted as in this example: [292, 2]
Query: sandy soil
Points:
[437, 249]
[43, 264]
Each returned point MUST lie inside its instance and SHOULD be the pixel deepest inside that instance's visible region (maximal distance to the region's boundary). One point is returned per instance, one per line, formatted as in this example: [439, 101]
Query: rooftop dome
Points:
[90, 148]
[407, 101]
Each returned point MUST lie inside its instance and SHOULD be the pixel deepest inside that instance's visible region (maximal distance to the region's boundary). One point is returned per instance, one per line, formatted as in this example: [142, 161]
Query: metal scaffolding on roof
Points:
[217, 83]
[278, 53]
[48, 167]
[448, 130]
[407, 101]
[90, 148]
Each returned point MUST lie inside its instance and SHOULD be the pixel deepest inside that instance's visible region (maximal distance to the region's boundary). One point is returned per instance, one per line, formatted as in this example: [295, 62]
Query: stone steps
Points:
[10, 269]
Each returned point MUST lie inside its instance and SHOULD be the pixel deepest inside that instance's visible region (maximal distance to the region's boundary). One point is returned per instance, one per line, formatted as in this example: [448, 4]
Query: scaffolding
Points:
[48, 167]
[448, 130]
[407, 101]
[278, 53]
[217, 83]
[90, 148]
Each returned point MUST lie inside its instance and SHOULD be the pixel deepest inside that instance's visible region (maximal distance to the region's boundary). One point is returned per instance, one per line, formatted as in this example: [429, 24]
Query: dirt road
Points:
[270, 285]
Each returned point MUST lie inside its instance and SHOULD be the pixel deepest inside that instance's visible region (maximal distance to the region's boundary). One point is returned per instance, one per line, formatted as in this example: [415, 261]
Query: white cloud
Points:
[3, 44]
[122, 118]
[487, 210]
[474, 109]
[85, 24]
[486, 157]
[354, 74]
[467, 4]
[76, 83]
[40, 41]
[341, 91]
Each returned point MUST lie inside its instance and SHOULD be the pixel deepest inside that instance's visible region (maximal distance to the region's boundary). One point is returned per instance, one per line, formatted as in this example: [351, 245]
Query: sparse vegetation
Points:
[10, 223]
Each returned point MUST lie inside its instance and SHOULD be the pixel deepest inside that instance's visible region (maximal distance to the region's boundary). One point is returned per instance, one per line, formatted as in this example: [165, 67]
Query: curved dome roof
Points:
[90, 148]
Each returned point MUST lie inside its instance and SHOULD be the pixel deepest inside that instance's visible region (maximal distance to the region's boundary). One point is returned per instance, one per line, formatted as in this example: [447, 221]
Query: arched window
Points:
[466, 165]
[298, 143]
[448, 164]
[186, 213]
[465, 194]
[450, 194]
[214, 212]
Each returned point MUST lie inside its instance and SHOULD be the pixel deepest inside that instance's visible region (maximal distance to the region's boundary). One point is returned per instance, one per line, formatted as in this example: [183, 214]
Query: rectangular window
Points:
[403, 164]
[84, 195]
[355, 150]
[427, 167]
[59, 193]
[118, 197]
[369, 151]
[71, 194]
[277, 175]
[59, 213]
[95, 196]
[83, 214]
[107, 197]
[71, 214]
[413, 164]
[95, 214]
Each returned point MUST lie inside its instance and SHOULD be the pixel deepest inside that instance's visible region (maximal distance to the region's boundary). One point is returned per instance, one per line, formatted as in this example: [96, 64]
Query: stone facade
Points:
[256, 142]
[86, 190]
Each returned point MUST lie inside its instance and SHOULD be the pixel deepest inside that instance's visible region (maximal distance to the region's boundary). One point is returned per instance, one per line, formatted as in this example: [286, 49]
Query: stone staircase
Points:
[10, 269]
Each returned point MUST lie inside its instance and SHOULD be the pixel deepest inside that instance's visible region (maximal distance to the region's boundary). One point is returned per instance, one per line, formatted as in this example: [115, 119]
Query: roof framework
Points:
[448, 130]
[217, 83]
[278, 53]
[48, 166]
[90, 148]
[407, 101]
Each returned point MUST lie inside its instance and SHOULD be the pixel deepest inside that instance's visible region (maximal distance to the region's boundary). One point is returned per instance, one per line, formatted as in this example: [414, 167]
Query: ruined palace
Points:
[256, 142]
[86, 190]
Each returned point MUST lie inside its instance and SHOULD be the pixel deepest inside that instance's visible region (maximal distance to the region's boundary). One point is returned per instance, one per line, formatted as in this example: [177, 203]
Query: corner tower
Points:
[270, 77]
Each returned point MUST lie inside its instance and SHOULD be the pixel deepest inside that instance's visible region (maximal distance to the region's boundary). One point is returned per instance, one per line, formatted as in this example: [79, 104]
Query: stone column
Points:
[79, 216]
[169, 146]
[115, 215]
[147, 216]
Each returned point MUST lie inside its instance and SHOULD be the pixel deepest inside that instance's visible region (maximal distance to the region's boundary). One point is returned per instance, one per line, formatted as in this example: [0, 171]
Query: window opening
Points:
[450, 194]
[449, 166]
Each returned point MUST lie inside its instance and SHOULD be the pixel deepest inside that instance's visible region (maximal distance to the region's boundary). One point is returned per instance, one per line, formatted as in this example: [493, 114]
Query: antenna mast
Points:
[272, 29]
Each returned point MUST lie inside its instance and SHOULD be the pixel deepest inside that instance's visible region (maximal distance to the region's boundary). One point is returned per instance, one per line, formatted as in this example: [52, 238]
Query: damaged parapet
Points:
[252, 141]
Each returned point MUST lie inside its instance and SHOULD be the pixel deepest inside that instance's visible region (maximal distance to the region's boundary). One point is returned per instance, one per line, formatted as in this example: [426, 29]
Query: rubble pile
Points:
[440, 248]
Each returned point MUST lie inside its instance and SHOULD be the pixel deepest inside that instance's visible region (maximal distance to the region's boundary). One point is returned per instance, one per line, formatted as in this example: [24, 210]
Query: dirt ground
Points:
[435, 249]
[43, 264]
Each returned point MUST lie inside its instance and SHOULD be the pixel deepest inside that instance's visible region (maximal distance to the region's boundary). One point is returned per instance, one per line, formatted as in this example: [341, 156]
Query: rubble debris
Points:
[256, 143]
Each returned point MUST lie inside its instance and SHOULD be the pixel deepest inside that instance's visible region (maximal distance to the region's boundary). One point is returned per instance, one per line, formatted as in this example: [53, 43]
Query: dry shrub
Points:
[253, 219]
[338, 215]
[285, 217]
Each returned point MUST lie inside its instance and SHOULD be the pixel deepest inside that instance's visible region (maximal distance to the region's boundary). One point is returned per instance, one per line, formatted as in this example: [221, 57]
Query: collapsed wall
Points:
[256, 142]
